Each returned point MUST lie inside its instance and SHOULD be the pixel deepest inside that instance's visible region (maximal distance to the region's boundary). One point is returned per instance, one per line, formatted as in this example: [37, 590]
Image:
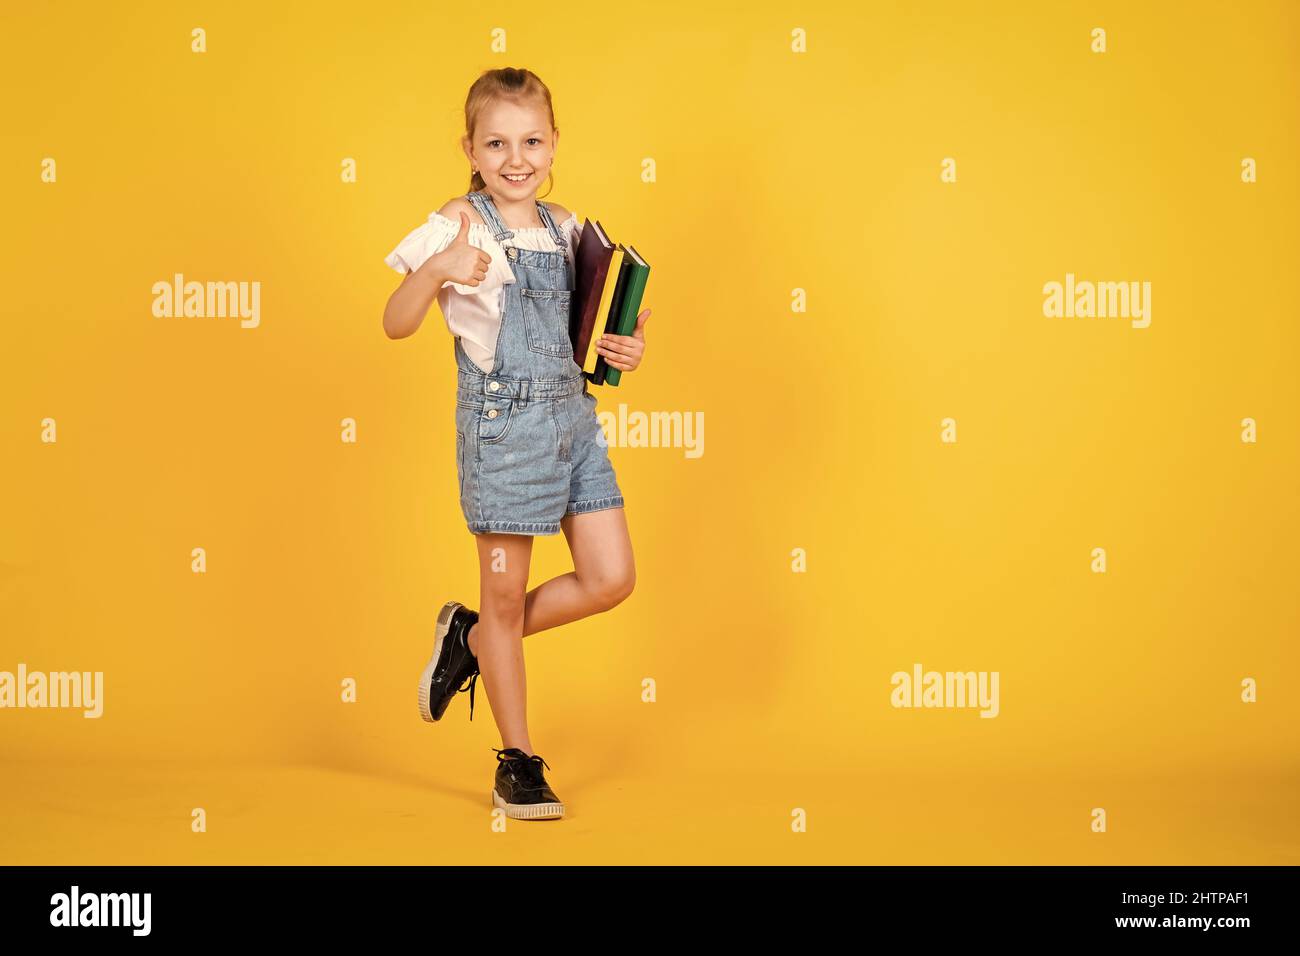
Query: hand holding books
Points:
[609, 283]
[624, 352]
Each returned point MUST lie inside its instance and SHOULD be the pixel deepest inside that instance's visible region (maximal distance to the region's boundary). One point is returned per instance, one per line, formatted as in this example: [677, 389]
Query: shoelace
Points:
[529, 767]
[473, 679]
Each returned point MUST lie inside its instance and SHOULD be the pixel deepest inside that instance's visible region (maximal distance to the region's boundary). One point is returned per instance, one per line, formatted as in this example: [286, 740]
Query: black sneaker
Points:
[451, 665]
[521, 790]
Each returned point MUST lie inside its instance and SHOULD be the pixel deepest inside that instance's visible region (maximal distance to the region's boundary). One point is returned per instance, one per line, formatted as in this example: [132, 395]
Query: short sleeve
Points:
[425, 240]
[434, 236]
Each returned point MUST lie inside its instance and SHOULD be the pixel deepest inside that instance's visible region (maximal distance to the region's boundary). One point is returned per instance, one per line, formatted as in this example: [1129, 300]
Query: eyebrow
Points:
[529, 133]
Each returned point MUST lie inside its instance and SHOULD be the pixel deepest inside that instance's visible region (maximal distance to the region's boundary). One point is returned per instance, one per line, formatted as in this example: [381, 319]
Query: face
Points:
[513, 140]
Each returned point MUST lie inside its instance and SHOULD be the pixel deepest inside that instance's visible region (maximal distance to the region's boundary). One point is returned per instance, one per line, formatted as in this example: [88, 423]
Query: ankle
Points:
[471, 639]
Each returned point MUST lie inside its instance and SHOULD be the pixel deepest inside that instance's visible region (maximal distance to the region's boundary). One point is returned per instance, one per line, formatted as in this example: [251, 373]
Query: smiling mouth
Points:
[510, 177]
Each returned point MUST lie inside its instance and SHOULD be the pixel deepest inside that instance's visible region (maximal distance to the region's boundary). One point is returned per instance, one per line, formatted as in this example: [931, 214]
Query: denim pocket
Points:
[494, 417]
[561, 415]
[546, 321]
[460, 464]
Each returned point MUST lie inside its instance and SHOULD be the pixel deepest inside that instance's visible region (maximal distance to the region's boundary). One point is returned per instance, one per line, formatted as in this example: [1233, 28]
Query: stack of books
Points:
[610, 279]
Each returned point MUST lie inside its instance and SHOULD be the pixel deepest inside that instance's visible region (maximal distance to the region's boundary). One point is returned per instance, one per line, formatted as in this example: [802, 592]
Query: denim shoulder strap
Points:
[556, 236]
[488, 210]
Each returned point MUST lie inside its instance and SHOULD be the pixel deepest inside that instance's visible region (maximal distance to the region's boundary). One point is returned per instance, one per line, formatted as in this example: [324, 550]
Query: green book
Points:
[632, 278]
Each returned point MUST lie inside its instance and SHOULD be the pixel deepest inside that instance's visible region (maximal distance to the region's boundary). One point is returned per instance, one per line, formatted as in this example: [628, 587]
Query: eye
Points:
[533, 139]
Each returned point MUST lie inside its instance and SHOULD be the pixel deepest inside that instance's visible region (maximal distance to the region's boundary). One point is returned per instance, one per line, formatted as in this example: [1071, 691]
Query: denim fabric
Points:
[529, 448]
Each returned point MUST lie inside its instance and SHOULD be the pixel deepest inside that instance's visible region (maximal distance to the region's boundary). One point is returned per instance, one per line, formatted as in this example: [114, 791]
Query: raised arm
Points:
[459, 262]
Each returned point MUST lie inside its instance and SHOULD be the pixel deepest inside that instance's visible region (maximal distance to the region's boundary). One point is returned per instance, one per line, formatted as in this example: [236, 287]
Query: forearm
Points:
[409, 303]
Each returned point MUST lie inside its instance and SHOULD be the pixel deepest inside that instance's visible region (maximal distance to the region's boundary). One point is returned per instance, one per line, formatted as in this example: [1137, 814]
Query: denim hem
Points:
[514, 527]
[594, 504]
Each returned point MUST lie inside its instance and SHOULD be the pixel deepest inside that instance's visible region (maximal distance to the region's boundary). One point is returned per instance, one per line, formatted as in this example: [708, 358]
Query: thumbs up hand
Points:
[460, 262]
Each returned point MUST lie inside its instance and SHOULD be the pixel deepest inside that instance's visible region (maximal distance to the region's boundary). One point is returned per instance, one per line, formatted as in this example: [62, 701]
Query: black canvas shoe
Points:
[521, 789]
[451, 665]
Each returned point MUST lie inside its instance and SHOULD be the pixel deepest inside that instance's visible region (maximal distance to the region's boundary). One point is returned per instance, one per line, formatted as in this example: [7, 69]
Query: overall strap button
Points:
[494, 386]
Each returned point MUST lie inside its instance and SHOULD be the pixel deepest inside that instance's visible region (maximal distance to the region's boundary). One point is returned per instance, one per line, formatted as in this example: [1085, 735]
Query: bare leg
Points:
[498, 633]
[603, 574]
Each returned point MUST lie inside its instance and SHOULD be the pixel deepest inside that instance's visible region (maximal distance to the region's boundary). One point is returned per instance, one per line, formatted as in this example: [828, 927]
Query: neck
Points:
[517, 214]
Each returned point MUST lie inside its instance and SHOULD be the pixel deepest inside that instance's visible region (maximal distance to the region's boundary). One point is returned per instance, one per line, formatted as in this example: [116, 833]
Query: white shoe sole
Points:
[440, 634]
[528, 811]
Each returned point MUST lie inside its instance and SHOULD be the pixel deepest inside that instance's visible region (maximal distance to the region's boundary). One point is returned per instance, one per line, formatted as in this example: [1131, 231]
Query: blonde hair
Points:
[506, 83]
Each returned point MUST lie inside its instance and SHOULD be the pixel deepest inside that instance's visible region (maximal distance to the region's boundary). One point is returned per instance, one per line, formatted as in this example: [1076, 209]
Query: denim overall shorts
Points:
[529, 447]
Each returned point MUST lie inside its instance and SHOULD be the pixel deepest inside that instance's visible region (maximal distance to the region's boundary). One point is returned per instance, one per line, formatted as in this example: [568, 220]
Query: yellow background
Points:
[775, 171]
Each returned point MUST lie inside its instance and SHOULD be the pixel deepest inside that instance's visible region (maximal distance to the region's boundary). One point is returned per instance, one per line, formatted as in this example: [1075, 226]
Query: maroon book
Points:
[595, 252]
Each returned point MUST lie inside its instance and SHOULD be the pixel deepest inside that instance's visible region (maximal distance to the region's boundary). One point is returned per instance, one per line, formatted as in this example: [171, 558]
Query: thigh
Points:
[503, 561]
[600, 544]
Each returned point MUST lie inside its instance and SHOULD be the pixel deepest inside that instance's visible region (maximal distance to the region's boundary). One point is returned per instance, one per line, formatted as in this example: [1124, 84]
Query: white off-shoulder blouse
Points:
[473, 312]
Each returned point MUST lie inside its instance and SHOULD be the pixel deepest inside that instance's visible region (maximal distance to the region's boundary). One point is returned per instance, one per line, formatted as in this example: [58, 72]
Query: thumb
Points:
[463, 236]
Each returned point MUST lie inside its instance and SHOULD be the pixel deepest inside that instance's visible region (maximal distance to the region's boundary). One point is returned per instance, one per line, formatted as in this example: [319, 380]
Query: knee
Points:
[505, 609]
[613, 587]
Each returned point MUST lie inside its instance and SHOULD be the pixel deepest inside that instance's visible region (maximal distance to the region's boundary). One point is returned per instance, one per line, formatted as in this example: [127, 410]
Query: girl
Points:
[530, 454]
